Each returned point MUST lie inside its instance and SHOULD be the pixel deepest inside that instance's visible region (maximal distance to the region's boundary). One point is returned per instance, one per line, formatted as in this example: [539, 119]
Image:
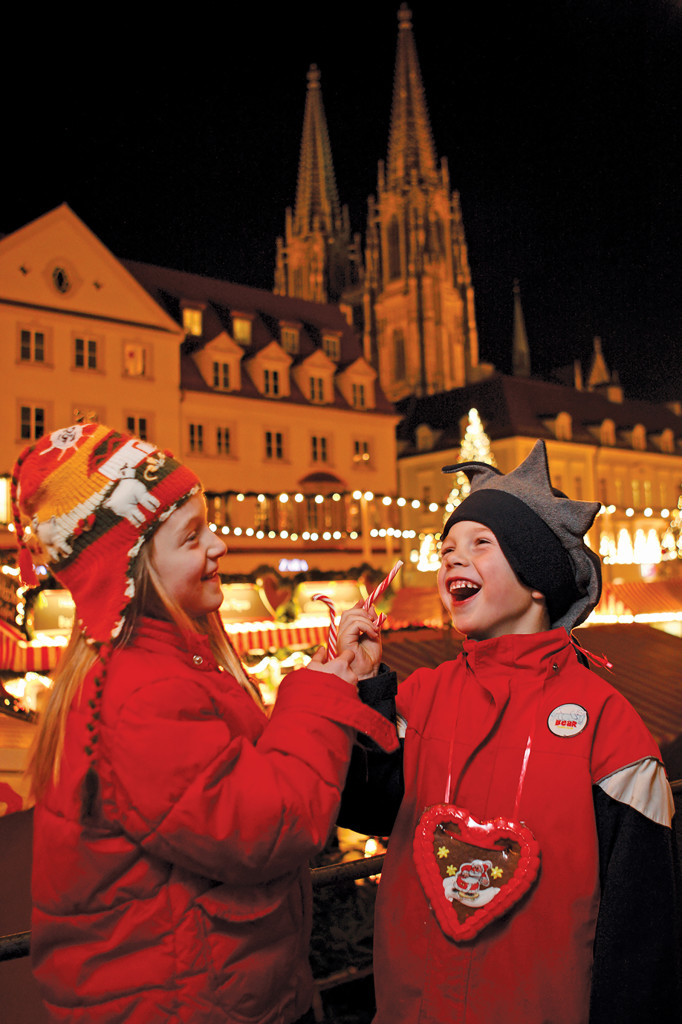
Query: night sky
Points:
[176, 140]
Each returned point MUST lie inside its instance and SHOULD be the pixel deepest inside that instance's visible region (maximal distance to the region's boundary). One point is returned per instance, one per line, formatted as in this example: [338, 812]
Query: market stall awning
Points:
[20, 655]
[637, 597]
[266, 636]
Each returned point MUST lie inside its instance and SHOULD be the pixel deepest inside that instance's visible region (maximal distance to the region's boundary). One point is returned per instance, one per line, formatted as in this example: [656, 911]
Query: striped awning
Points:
[20, 655]
[266, 636]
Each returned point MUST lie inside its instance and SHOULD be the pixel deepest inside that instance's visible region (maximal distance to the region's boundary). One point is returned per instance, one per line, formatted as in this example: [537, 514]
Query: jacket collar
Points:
[517, 651]
[158, 635]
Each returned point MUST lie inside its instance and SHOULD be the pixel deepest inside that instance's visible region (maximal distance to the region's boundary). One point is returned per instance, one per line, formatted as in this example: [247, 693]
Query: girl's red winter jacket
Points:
[189, 900]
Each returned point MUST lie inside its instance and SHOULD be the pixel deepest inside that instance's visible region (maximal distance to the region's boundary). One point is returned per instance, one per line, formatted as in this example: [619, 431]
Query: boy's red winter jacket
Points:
[189, 900]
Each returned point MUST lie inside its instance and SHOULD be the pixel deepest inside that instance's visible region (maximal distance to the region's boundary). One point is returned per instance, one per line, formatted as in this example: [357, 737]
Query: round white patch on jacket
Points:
[567, 720]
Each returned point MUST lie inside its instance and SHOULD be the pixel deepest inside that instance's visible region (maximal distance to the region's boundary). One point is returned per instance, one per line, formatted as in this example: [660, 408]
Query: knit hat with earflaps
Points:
[540, 531]
[84, 500]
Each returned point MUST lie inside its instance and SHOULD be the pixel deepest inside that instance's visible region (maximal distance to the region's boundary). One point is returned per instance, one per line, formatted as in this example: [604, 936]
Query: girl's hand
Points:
[337, 666]
[358, 632]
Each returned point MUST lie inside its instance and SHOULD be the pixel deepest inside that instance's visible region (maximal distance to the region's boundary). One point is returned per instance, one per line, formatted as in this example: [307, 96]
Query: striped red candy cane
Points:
[379, 590]
[374, 596]
[331, 638]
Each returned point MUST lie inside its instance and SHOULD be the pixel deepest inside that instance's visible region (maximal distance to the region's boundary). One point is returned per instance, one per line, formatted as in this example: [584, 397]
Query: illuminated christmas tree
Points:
[475, 447]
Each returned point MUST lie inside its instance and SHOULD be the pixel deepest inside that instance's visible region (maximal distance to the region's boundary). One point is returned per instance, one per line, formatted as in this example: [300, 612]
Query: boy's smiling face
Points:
[481, 591]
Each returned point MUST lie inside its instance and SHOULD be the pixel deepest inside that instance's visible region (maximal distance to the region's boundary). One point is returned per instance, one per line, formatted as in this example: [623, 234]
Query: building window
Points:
[88, 414]
[361, 451]
[193, 321]
[137, 425]
[134, 360]
[316, 389]
[196, 437]
[399, 366]
[639, 437]
[563, 427]
[290, 340]
[241, 330]
[222, 440]
[85, 354]
[221, 376]
[32, 422]
[319, 449]
[274, 448]
[33, 346]
[271, 379]
[608, 432]
[359, 396]
[330, 344]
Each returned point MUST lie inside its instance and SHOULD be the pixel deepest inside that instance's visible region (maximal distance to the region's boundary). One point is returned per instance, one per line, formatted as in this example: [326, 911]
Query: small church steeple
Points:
[520, 349]
[317, 259]
[420, 325]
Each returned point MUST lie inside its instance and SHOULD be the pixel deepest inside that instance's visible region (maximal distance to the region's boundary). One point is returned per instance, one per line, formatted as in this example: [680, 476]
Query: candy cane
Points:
[374, 596]
[331, 639]
[379, 590]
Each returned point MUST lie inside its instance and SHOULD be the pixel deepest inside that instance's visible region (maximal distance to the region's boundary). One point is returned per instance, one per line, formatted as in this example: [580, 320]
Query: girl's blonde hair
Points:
[79, 656]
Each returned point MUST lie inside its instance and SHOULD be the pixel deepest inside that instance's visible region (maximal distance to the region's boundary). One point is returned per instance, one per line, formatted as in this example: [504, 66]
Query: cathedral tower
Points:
[317, 259]
[420, 325]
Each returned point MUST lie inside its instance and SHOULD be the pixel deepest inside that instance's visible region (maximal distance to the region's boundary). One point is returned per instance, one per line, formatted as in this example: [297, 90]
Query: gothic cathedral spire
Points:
[520, 349]
[420, 325]
[317, 259]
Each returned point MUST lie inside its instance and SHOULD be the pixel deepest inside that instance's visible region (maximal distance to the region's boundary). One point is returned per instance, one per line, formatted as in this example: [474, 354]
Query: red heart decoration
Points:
[472, 871]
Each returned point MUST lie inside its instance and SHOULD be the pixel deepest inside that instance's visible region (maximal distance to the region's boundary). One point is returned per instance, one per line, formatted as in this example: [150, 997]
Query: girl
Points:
[173, 819]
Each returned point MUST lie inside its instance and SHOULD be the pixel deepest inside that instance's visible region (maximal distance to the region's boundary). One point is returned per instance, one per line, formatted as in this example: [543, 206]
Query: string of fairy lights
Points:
[616, 542]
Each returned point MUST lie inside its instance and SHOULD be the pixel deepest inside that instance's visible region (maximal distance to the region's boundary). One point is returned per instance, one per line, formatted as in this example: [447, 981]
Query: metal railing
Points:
[13, 947]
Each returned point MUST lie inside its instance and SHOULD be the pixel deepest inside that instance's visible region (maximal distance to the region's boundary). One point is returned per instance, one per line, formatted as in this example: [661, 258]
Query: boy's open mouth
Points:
[462, 590]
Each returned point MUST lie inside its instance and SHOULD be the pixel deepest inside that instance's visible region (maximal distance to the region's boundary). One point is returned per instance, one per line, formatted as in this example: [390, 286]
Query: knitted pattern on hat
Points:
[84, 500]
[568, 520]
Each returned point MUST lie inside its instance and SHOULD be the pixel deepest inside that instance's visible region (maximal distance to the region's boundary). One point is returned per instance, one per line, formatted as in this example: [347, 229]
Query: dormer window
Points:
[271, 382]
[331, 345]
[241, 330]
[564, 427]
[667, 441]
[193, 321]
[221, 376]
[358, 396]
[317, 389]
[639, 437]
[608, 432]
[290, 340]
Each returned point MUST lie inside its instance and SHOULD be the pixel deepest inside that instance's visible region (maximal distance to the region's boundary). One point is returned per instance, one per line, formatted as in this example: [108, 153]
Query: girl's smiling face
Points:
[185, 553]
[481, 591]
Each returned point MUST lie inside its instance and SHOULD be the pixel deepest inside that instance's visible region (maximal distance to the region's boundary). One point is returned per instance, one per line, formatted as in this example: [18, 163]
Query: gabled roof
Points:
[516, 406]
[220, 301]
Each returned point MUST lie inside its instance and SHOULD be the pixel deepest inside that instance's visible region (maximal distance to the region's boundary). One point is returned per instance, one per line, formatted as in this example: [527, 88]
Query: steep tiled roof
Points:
[221, 300]
[511, 406]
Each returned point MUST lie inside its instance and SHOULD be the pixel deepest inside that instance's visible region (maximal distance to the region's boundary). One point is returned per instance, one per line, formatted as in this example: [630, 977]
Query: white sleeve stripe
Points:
[644, 787]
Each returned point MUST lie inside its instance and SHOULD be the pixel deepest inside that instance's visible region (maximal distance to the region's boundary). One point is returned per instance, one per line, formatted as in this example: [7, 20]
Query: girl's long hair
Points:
[79, 656]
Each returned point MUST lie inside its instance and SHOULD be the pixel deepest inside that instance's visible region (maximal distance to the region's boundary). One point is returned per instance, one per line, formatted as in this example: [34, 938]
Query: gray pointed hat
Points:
[540, 530]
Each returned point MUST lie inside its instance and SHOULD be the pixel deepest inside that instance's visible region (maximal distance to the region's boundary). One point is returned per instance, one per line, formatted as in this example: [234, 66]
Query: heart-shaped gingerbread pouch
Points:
[472, 871]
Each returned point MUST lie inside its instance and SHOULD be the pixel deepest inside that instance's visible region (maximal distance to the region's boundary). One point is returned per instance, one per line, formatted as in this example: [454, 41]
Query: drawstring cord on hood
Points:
[596, 659]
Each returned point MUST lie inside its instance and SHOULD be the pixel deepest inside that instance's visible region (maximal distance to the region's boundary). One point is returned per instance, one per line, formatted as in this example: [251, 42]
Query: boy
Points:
[531, 874]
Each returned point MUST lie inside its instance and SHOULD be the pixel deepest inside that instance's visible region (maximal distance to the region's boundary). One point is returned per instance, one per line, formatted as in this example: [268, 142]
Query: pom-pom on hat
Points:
[90, 497]
[540, 531]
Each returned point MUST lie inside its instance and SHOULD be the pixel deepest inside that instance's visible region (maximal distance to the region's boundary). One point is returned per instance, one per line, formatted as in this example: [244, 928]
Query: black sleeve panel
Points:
[637, 972]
